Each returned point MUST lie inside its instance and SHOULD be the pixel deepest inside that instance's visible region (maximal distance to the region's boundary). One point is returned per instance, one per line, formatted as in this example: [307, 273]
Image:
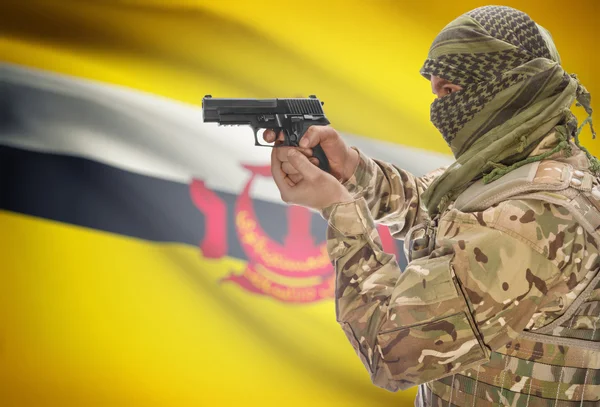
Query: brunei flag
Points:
[146, 257]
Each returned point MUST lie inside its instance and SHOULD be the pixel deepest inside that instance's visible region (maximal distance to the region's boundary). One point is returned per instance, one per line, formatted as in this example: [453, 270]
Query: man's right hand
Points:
[342, 159]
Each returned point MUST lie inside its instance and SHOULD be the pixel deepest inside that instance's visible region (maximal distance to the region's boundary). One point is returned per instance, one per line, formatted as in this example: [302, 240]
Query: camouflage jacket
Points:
[453, 319]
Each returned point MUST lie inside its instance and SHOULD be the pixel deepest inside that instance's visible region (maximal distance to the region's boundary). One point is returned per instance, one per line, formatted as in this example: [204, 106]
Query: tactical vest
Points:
[559, 363]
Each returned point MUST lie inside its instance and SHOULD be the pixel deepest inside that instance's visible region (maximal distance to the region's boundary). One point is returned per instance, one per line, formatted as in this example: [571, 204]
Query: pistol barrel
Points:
[215, 109]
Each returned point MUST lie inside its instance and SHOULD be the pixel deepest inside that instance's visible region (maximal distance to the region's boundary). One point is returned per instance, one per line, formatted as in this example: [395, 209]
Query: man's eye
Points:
[448, 90]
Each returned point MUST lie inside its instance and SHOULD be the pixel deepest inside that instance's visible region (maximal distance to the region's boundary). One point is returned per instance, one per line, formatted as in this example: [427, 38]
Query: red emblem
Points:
[296, 271]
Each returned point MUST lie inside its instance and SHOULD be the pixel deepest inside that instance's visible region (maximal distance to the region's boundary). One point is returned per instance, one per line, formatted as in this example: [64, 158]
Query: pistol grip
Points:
[319, 154]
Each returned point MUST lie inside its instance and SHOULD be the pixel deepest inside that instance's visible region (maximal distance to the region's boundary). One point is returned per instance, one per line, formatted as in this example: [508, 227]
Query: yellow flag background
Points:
[91, 318]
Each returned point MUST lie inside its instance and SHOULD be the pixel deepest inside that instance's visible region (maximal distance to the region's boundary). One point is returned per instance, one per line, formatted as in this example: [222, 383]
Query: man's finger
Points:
[296, 178]
[280, 136]
[269, 136]
[302, 165]
[282, 153]
[316, 135]
[278, 175]
[288, 168]
[290, 182]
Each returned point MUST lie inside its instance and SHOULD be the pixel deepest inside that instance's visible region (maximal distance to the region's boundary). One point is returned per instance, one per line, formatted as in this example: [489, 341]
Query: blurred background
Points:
[146, 258]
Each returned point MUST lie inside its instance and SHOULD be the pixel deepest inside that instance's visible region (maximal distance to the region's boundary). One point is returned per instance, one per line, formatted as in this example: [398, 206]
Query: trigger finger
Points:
[269, 135]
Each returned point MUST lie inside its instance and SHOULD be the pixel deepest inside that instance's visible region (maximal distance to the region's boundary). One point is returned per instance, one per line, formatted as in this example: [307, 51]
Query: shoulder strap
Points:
[537, 176]
[550, 181]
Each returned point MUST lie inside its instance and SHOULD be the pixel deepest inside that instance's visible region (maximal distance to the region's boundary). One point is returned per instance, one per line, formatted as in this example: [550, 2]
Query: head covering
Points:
[514, 92]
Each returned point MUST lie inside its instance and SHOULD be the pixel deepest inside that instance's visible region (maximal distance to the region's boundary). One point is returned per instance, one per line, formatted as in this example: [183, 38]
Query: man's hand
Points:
[316, 188]
[342, 159]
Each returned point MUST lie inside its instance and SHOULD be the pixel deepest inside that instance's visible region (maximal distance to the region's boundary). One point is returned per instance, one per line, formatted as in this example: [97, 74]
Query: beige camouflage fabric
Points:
[459, 321]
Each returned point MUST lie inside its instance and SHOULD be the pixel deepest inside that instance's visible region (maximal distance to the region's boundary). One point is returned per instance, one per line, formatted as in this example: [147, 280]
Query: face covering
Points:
[514, 92]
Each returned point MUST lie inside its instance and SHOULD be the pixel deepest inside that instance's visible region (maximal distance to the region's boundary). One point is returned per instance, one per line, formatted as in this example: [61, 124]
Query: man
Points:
[500, 301]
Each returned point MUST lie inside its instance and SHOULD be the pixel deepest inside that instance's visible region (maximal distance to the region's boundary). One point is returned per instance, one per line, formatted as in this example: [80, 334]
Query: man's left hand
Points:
[316, 189]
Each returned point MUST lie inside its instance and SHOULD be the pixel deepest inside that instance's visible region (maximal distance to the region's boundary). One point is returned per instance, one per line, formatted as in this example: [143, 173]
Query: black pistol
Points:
[292, 116]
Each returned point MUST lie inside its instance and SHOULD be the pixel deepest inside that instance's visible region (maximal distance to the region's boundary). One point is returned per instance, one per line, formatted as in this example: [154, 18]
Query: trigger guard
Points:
[255, 130]
[256, 142]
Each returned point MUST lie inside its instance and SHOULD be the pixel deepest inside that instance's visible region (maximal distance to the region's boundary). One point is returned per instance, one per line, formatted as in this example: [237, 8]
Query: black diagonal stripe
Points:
[87, 193]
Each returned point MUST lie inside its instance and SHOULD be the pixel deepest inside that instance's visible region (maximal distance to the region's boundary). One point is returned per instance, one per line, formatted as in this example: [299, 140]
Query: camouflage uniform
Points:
[459, 321]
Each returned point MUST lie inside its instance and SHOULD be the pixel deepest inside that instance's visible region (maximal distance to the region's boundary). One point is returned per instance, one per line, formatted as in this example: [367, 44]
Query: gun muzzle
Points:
[210, 110]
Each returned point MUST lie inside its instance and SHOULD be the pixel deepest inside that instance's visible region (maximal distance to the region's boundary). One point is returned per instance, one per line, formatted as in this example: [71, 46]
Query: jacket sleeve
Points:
[393, 195]
[445, 312]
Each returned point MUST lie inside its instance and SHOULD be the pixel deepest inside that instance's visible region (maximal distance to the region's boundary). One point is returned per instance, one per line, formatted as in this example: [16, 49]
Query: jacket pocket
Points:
[429, 332]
